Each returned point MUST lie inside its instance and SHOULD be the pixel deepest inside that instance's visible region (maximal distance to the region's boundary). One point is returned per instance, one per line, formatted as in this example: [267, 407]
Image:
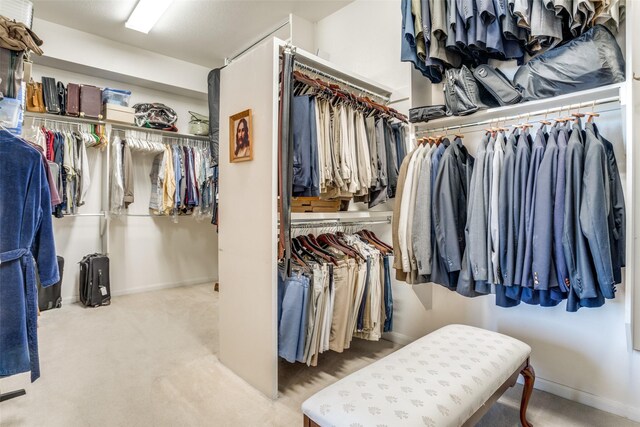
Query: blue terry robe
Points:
[26, 237]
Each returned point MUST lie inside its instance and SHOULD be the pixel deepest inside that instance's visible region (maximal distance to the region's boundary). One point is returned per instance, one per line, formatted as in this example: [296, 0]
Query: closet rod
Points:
[84, 214]
[338, 222]
[155, 216]
[339, 80]
[190, 138]
[546, 112]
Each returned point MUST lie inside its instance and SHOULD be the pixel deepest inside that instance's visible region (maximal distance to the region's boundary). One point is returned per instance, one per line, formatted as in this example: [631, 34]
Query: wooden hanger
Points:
[591, 115]
[375, 238]
[306, 243]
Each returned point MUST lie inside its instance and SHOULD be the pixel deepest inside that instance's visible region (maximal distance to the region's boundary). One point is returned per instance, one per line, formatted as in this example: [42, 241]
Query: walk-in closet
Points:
[345, 213]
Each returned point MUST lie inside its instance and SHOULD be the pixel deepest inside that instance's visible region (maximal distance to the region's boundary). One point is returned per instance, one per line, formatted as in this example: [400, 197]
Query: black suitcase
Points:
[95, 288]
[51, 296]
[50, 93]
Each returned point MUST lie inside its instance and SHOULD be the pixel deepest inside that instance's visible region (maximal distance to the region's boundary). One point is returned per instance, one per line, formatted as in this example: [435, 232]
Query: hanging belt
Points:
[31, 302]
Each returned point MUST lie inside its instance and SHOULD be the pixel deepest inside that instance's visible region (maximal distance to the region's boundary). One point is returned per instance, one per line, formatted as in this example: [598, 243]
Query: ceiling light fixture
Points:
[146, 14]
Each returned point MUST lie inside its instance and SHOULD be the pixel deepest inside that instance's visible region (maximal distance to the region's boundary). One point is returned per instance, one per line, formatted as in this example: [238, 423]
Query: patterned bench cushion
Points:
[439, 380]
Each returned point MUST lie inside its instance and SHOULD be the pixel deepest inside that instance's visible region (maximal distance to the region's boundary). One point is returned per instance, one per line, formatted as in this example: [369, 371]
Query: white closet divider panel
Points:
[248, 222]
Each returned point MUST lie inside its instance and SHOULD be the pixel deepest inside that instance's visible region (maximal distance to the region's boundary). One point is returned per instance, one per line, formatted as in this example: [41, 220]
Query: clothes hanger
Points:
[302, 251]
[577, 115]
[372, 240]
[329, 240]
[313, 246]
[592, 114]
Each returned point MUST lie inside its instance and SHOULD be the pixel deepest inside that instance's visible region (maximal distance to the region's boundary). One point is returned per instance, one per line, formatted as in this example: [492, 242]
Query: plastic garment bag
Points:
[592, 60]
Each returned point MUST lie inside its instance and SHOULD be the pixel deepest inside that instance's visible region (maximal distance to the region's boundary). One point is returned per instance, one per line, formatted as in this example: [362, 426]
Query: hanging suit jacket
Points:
[529, 295]
[26, 240]
[494, 208]
[558, 213]
[421, 236]
[595, 208]
[582, 274]
[469, 283]
[450, 211]
[477, 223]
[397, 254]
[617, 218]
[507, 224]
[487, 179]
[542, 262]
[523, 157]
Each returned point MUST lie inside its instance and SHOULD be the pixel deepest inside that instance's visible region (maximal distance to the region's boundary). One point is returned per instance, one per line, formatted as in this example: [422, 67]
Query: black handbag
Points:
[463, 94]
[95, 287]
[51, 296]
[589, 61]
[50, 92]
[497, 84]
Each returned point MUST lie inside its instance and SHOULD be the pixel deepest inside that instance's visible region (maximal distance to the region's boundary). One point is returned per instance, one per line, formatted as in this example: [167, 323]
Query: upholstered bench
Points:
[450, 377]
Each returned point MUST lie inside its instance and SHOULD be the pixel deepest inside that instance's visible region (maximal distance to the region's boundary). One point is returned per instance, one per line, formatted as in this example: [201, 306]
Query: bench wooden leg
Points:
[308, 422]
[529, 378]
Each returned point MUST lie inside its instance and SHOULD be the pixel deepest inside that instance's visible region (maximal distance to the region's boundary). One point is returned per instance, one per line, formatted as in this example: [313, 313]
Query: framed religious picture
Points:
[240, 137]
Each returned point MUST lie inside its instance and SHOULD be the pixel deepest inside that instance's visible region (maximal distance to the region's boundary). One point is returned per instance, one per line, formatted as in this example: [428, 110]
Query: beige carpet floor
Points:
[150, 360]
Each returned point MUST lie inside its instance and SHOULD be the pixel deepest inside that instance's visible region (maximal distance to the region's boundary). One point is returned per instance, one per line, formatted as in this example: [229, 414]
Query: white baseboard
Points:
[149, 288]
[598, 402]
[398, 338]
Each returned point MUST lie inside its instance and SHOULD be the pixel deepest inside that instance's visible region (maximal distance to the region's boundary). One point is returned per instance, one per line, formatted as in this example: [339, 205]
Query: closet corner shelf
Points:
[67, 119]
[339, 216]
[575, 99]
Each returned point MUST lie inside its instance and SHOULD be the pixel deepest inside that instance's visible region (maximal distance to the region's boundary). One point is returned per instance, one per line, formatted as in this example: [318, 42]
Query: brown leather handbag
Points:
[35, 99]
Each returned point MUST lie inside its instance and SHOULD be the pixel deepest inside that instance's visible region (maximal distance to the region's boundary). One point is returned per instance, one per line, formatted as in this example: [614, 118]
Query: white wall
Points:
[145, 253]
[248, 222]
[583, 356]
[79, 51]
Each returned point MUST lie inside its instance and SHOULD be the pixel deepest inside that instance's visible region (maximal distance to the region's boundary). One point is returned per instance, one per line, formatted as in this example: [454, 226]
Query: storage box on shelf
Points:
[118, 114]
[116, 97]
[10, 112]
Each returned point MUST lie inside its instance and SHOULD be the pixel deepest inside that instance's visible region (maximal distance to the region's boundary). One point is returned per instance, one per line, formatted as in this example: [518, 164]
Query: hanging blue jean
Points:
[293, 318]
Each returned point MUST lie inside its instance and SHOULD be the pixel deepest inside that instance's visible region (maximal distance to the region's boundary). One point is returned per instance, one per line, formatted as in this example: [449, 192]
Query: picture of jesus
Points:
[240, 137]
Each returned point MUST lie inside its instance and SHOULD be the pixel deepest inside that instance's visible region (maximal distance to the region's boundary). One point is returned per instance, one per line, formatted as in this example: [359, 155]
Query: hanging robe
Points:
[26, 237]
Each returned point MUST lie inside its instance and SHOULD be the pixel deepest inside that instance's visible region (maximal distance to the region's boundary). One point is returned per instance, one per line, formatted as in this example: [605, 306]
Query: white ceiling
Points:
[199, 31]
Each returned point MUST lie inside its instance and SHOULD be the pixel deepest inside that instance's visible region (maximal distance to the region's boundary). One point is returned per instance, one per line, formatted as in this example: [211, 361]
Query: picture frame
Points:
[241, 137]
